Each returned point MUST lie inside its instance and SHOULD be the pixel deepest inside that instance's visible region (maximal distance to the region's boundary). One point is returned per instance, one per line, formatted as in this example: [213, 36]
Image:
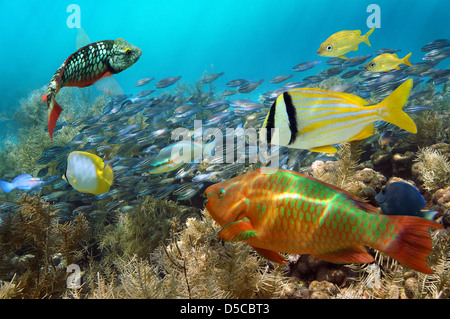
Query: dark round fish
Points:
[85, 67]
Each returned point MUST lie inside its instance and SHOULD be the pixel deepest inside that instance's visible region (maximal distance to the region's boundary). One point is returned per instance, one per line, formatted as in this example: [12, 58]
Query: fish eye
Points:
[221, 193]
[127, 51]
[329, 48]
[372, 64]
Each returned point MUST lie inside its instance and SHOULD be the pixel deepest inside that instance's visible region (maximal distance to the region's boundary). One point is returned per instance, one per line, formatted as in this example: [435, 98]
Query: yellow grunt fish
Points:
[315, 119]
[387, 61]
[343, 42]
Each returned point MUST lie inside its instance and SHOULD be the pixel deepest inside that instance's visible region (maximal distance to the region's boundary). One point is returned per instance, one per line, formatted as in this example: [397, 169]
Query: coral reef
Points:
[36, 248]
[432, 169]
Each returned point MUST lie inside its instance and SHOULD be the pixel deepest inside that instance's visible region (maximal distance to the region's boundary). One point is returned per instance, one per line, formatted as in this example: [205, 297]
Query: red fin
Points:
[238, 230]
[44, 97]
[355, 254]
[412, 243]
[53, 113]
[106, 74]
[272, 255]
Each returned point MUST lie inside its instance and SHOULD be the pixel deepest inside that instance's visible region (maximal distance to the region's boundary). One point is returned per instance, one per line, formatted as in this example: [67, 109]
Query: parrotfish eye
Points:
[221, 193]
[127, 51]
[329, 48]
[372, 64]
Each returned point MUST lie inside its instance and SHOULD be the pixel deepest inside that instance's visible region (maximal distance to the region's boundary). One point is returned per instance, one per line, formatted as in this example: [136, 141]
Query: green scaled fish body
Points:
[85, 67]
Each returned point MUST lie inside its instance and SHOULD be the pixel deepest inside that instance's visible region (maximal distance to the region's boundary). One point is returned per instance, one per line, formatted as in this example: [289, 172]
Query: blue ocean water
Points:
[244, 38]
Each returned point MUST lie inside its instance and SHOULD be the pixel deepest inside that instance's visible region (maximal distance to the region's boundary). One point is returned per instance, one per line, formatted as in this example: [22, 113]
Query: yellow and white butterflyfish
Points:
[315, 119]
[87, 173]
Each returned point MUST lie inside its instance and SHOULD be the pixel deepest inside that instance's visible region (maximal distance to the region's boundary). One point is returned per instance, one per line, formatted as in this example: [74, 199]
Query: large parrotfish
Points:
[85, 67]
[284, 211]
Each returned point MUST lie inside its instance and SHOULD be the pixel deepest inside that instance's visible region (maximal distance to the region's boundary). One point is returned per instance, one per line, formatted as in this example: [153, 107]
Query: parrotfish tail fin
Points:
[53, 112]
[366, 36]
[391, 108]
[108, 175]
[406, 59]
[412, 243]
[6, 187]
[428, 214]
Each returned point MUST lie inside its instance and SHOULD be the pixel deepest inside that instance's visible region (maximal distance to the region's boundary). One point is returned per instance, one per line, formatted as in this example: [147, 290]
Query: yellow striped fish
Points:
[387, 61]
[343, 42]
[314, 119]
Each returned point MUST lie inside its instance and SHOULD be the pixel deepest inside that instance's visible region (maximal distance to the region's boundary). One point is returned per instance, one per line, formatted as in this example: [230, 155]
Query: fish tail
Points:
[391, 108]
[53, 111]
[411, 243]
[6, 187]
[366, 36]
[406, 59]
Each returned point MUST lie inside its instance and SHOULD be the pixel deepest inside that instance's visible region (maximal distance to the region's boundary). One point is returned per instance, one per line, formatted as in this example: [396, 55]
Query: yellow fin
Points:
[343, 56]
[108, 175]
[324, 149]
[397, 67]
[366, 37]
[364, 133]
[393, 104]
[406, 59]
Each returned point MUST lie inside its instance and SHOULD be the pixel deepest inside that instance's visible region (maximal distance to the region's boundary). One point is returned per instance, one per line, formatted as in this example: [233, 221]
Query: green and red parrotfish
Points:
[85, 67]
[277, 210]
[343, 42]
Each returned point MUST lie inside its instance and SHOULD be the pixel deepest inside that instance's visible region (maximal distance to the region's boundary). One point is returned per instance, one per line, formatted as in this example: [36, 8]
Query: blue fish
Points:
[24, 182]
[400, 198]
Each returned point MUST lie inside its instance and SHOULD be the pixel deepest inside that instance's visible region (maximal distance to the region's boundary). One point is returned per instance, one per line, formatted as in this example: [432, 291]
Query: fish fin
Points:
[406, 59]
[53, 111]
[82, 38]
[108, 175]
[21, 177]
[6, 187]
[364, 133]
[44, 97]
[355, 49]
[355, 254]
[238, 230]
[108, 85]
[366, 36]
[271, 255]
[427, 214]
[343, 56]
[397, 67]
[412, 242]
[393, 108]
[324, 149]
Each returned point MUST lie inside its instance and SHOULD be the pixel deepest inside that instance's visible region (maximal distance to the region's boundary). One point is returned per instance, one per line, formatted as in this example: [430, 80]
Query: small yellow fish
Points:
[343, 42]
[87, 173]
[314, 119]
[387, 61]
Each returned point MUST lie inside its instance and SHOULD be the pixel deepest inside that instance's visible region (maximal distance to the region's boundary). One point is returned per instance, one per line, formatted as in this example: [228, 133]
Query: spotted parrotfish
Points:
[276, 210]
[85, 67]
